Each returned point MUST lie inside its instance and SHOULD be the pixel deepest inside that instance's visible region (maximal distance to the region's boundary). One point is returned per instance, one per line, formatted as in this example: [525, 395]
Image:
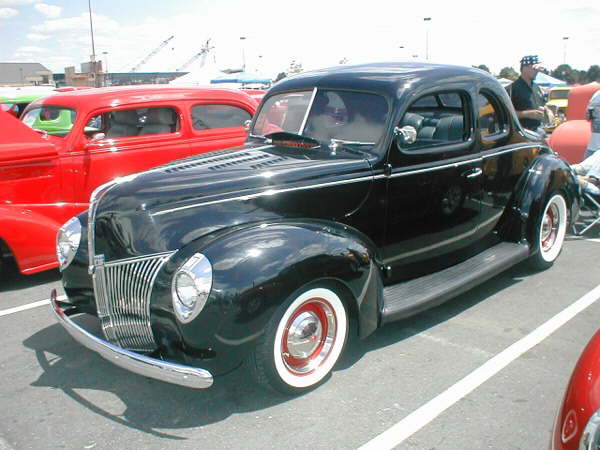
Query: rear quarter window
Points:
[207, 117]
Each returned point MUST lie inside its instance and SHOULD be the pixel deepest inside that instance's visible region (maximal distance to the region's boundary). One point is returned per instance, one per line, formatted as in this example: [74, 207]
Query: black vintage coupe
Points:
[372, 191]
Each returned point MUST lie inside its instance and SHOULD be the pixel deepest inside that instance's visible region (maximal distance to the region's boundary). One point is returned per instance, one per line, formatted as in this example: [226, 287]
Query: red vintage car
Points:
[577, 425]
[70, 143]
[570, 139]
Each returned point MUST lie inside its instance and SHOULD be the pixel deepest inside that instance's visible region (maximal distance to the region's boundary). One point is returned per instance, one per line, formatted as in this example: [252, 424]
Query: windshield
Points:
[53, 120]
[558, 94]
[334, 114]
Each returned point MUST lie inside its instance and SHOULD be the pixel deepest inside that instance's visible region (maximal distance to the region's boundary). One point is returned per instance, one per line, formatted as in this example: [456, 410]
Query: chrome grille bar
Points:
[123, 289]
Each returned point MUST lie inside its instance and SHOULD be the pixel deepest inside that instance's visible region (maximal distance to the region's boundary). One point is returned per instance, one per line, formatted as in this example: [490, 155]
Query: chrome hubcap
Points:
[304, 335]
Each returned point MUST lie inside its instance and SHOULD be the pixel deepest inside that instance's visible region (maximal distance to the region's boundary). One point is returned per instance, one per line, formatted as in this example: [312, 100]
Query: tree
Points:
[593, 73]
[566, 73]
[295, 67]
[508, 73]
[280, 76]
[483, 67]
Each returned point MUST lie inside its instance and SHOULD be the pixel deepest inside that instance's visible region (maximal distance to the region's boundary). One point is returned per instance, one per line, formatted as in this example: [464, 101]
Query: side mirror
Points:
[406, 135]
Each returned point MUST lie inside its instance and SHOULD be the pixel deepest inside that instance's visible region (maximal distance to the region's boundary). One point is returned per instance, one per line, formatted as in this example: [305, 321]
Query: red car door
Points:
[129, 140]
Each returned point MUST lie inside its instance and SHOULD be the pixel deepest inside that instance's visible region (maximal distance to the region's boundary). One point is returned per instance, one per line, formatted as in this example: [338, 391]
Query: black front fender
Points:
[256, 268]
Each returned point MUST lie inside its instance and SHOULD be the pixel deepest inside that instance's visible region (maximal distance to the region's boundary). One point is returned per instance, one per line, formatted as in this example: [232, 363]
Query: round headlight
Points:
[191, 287]
[590, 438]
[67, 242]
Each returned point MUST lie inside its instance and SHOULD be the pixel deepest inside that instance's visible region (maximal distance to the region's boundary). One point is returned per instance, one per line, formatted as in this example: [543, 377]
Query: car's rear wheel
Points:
[303, 341]
[549, 233]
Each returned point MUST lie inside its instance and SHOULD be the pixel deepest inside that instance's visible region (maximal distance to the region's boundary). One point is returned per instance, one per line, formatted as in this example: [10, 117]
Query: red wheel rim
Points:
[549, 228]
[309, 336]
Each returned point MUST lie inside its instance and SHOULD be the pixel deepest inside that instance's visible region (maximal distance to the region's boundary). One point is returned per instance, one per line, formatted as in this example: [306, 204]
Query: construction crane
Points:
[203, 52]
[151, 54]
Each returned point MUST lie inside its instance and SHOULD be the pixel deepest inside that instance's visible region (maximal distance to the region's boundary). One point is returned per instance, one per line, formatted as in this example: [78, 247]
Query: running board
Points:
[411, 297]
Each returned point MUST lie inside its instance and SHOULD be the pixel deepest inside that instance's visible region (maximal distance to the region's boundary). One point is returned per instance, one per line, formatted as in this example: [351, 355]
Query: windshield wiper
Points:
[334, 144]
[262, 138]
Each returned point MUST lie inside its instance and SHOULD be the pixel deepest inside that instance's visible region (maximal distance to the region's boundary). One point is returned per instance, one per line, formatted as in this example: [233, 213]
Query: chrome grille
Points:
[123, 290]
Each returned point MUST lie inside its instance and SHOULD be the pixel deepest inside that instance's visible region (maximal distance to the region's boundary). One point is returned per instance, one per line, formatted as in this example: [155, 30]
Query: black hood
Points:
[166, 208]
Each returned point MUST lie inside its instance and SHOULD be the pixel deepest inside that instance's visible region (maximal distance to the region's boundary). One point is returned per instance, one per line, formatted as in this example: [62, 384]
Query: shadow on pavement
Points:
[403, 329]
[152, 406]
[11, 279]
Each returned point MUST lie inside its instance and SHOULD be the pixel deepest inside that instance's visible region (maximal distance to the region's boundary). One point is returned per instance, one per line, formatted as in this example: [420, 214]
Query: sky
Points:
[313, 33]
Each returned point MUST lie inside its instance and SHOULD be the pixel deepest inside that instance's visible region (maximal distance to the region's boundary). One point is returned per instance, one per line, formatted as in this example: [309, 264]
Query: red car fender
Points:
[570, 139]
[31, 236]
[581, 400]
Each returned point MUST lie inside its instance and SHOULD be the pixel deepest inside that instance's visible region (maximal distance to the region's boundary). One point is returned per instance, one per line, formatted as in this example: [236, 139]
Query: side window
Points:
[437, 119]
[133, 122]
[489, 118]
[206, 117]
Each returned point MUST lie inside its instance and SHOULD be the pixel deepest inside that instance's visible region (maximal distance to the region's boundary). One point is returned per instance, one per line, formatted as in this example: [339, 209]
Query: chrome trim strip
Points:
[456, 164]
[435, 168]
[502, 152]
[333, 183]
[310, 103]
[168, 372]
[263, 194]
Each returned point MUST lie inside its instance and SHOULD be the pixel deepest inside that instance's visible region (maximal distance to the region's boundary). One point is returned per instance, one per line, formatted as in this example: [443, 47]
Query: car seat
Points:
[159, 121]
[122, 124]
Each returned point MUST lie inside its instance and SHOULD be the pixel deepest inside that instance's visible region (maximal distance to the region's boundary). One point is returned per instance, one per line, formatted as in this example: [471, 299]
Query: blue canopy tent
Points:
[242, 78]
[542, 79]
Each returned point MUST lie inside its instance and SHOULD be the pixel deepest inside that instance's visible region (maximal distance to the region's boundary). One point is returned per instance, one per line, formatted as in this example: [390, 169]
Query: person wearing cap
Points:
[593, 114]
[527, 98]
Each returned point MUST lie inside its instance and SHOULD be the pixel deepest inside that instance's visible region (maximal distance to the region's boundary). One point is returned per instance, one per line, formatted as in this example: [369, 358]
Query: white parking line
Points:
[17, 309]
[416, 420]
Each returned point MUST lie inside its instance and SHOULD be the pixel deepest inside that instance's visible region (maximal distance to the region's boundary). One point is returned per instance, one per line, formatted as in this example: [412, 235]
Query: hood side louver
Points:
[204, 160]
[243, 158]
[268, 163]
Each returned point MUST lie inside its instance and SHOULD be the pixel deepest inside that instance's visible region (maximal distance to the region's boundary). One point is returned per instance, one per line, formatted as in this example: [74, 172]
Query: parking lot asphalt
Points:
[57, 394]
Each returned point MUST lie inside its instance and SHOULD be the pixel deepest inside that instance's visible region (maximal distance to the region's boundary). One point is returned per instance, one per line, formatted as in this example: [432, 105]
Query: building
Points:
[91, 74]
[100, 78]
[24, 74]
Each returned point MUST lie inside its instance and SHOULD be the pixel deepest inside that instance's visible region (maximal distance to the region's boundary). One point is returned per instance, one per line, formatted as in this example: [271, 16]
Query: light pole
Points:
[427, 19]
[106, 80]
[565, 39]
[93, 46]
[243, 38]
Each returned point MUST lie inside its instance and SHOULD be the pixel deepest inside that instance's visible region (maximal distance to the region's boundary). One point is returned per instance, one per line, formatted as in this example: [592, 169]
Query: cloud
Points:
[16, 2]
[7, 13]
[79, 23]
[30, 49]
[37, 37]
[50, 11]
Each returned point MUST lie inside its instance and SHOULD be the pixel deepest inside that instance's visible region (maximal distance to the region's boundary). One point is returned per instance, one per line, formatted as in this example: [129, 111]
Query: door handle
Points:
[474, 173]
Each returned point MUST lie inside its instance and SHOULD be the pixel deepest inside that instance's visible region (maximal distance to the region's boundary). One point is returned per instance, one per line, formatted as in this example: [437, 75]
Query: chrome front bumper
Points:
[191, 377]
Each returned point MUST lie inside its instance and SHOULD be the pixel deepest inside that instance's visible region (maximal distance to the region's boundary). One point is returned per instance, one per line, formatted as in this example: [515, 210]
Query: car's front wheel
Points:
[549, 232]
[302, 342]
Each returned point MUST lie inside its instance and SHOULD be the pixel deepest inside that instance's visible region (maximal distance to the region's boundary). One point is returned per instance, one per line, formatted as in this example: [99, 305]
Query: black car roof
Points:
[390, 78]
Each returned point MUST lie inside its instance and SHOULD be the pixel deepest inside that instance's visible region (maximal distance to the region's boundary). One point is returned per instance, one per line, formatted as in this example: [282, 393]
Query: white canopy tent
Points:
[200, 77]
